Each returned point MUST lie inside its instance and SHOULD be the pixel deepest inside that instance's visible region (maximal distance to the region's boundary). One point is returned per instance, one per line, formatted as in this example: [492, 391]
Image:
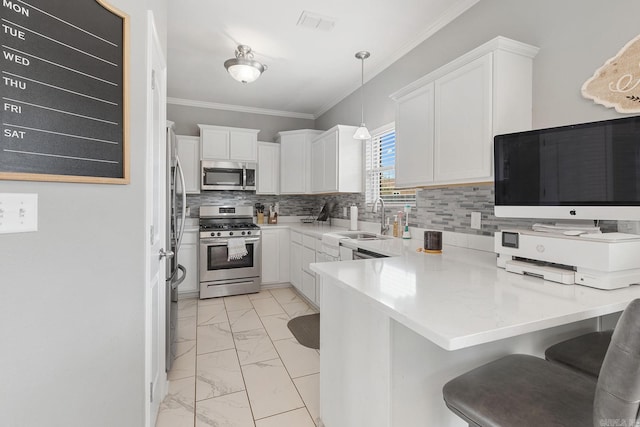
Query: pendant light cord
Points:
[362, 92]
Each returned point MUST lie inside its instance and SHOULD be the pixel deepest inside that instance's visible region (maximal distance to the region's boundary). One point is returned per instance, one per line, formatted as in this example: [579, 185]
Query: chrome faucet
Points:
[383, 224]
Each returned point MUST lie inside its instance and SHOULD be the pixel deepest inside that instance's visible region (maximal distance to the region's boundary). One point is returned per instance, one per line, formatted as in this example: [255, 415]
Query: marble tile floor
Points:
[238, 365]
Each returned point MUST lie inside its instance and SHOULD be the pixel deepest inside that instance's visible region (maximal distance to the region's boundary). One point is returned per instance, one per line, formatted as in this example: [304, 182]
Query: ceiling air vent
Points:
[315, 21]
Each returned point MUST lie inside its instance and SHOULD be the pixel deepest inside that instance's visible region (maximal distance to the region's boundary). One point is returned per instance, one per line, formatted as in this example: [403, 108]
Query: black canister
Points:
[433, 241]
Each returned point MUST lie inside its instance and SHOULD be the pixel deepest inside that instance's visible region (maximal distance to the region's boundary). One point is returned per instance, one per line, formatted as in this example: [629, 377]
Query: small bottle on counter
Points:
[395, 226]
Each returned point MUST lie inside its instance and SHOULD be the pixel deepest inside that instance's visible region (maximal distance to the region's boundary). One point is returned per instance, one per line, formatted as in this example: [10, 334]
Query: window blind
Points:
[380, 159]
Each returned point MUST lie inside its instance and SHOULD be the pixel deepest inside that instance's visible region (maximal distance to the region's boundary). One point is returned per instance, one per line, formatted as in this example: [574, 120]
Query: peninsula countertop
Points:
[460, 298]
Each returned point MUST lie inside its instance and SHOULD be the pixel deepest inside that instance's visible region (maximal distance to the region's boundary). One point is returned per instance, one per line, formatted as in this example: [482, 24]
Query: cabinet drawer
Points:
[309, 241]
[296, 237]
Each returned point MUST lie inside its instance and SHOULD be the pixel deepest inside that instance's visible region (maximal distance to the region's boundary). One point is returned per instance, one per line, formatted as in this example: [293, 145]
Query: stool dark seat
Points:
[585, 353]
[522, 390]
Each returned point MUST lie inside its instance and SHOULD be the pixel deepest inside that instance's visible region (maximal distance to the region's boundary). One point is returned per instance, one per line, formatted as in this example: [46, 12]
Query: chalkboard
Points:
[64, 91]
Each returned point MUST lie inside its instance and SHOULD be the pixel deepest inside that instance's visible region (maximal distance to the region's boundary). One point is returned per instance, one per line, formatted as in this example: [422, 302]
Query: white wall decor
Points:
[617, 83]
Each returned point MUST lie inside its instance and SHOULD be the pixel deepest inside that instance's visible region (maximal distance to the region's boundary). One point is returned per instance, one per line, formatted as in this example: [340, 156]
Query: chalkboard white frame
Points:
[125, 179]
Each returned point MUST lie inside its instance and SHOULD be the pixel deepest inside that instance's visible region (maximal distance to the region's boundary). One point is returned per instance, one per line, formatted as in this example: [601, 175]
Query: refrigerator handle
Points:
[183, 214]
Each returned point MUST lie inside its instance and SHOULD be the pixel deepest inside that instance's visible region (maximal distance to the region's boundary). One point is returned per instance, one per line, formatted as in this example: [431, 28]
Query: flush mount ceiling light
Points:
[362, 132]
[243, 67]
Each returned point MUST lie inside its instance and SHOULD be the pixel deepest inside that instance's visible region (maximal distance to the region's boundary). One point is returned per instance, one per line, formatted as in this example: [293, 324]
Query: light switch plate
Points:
[18, 213]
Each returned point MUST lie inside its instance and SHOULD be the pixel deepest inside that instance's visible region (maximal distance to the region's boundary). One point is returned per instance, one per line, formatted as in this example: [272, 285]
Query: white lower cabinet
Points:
[308, 276]
[295, 260]
[309, 285]
[188, 257]
[275, 255]
[303, 253]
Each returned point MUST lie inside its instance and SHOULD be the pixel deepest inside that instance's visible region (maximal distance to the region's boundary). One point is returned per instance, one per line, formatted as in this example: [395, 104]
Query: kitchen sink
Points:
[363, 235]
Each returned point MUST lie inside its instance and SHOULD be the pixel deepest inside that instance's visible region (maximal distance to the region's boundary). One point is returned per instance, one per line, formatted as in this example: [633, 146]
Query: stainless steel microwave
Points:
[222, 175]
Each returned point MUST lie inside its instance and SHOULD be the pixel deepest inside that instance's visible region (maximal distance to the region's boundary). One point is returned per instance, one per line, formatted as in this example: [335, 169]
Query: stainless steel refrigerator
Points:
[175, 215]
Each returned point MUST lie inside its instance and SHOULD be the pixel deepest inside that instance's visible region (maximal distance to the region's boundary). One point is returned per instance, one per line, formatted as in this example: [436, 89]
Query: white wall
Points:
[187, 120]
[72, 294]
[575, 37]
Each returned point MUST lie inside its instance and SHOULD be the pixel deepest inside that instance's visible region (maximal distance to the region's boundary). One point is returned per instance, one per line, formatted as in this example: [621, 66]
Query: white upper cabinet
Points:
[189, 155]
[295, 160]
[268, 168]
[414, 126]
[336, 161]
[446, 120]
[227, 143]
[463, 131]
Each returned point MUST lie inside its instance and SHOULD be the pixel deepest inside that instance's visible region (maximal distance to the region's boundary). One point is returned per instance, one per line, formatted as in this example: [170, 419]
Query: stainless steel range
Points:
[222, 228]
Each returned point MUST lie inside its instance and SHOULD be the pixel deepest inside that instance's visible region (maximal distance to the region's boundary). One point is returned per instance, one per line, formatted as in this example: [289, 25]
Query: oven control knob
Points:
[248, 232]
[231, 233]
[213, 234]
[243, 233]
[219, 234]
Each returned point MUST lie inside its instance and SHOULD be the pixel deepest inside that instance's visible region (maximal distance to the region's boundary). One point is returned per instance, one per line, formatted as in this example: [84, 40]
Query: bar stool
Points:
[584, 354]
[522, 390]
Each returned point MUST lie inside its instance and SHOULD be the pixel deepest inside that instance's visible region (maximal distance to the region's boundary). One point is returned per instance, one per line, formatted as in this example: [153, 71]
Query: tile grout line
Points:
[246, 390]
[195, 367]
[280, 357]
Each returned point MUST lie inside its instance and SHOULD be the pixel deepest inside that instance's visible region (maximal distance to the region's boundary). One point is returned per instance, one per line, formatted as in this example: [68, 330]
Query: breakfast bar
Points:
[395, 330]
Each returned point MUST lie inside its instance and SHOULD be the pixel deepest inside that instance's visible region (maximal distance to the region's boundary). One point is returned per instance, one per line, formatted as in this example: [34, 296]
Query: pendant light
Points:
[362, 132]
[243, 67]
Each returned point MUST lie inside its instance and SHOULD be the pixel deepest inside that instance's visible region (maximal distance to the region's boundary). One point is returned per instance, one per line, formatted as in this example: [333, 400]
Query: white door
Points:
[155, 375]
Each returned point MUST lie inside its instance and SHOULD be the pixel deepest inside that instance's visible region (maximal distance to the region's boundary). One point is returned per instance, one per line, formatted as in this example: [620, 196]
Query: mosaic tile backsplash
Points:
[447, 209]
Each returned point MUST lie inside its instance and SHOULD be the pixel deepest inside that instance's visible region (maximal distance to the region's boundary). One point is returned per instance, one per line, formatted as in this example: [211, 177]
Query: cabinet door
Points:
[292, 164]
[309, 285]
[215, 144]
[317, 166]
[189, 154]
[463, 123]
[268, 168]
[243, 146]
[270, 256]
[308, 257]
[330, 155]
[283, 250]
[414, 138]
[295, 267]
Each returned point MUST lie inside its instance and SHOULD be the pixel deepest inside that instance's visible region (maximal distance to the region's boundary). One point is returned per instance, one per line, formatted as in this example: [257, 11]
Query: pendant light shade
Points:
[362, 132]
[243, 67]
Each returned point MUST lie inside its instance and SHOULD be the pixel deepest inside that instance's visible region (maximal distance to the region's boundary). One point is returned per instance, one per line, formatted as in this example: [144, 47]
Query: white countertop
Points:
[460, 298]
[316, 229]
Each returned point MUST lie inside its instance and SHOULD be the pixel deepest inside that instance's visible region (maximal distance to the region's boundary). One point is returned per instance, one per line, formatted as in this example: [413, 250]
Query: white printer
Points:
[603, 261]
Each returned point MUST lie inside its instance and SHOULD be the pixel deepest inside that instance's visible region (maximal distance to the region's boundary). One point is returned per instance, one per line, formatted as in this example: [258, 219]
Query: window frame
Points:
[369, 200]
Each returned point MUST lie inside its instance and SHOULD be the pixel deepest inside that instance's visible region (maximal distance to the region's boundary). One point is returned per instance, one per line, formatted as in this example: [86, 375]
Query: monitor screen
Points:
[585, 171]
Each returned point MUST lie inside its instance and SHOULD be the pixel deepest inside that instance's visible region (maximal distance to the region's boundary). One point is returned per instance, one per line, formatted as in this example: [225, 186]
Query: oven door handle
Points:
[224, 242]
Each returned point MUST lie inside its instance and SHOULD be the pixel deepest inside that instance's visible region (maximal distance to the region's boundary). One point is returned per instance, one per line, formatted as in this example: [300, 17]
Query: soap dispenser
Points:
[395, 226]
[405, 232]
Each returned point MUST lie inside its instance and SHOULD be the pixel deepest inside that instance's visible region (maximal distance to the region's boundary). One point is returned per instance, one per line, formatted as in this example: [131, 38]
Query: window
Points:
[380, 160]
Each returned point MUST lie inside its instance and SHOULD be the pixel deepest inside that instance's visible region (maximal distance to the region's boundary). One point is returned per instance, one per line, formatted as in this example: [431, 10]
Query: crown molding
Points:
[238, 108]
[495, 44]
[452, 13]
